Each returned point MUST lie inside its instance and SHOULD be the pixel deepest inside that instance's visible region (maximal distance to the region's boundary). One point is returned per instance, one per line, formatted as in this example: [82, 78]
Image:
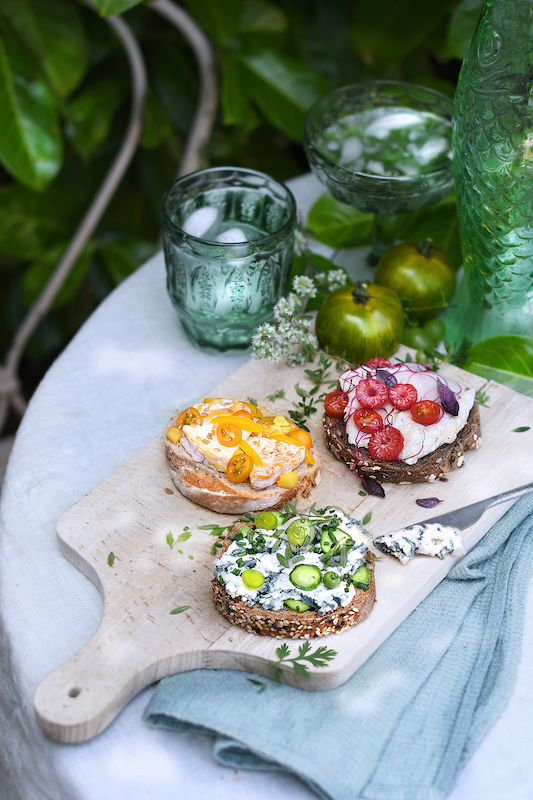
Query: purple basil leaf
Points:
[372, 486]
[448, 399]
[428, 502]
[386, 377]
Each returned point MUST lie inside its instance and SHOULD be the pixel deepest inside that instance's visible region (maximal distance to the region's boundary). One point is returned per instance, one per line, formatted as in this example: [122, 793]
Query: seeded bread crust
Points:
[205, 486]
[429, 468]
[286, 624]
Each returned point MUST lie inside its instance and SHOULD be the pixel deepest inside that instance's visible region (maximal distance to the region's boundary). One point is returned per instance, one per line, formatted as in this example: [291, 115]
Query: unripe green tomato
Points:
[360, 321]
[422, 275]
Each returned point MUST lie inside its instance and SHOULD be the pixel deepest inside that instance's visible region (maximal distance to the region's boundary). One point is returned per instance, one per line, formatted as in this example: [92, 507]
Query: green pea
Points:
[331, 580]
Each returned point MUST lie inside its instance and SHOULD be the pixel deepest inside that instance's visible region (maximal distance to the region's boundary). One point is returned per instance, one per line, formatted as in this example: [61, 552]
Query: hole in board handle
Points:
[74, 692]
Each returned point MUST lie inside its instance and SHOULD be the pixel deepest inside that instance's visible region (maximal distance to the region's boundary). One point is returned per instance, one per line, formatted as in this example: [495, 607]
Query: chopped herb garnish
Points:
[366, 519]
[184, 536]
[282, 560]
[179, 610]
[111, 559]
[319, 658]
[278, 394]
[521, 430]
[170, 540]
[262, 685]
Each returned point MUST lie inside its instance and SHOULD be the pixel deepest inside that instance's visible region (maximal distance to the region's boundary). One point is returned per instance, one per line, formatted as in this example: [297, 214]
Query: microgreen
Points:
[482, 398]
[318, 658]
[170, 540]
[278, 394]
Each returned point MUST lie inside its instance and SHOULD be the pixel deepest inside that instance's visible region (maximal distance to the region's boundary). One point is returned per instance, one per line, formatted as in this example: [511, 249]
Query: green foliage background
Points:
[65, 93]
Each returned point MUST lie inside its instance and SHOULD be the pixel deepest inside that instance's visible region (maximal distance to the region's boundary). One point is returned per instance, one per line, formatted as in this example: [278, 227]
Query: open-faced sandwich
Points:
[228, 456]
[295, 575]
[401, 423]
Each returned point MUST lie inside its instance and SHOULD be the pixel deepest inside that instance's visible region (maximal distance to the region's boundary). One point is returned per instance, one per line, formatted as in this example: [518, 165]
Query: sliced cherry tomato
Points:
[335, 403]
[426, 412]
[403, 395]
[367, 420]
[242, 413]
[239, 467]
[229, 435]
[386, 443]
[378, 363]
[371, 393]
[189, 417]
[301, 437]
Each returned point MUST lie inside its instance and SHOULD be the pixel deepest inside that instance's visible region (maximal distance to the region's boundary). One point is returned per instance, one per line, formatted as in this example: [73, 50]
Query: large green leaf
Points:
[506, 359]
[39, 273]
[91, 113]
[383, 33]
[236, 106]
[30, 141]
[338, 224]
[461, 28]
[30, 222]
[53, 32]
[220, 19]
[122, 258]
[439, 223]
[109, 8]
[283, 88]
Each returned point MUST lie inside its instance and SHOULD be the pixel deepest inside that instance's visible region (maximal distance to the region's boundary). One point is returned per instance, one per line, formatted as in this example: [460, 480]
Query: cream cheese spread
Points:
[270, 553]
[419, 440]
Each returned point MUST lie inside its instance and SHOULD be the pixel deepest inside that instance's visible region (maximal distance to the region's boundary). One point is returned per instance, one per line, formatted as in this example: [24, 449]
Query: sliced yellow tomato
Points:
[191, 416]
[301, 437]
[243, 423]
[254, 411]
[254, 455]
[239, 467]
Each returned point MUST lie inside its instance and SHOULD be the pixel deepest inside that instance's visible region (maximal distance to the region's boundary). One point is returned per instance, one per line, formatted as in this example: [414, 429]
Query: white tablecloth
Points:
[110, 392]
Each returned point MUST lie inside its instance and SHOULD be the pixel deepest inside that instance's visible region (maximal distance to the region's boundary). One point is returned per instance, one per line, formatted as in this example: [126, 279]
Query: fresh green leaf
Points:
[91, 113]
[170, 540]
[338, 224]
[111, 559]
[31, 223]
[179, 610]
[38, 274]
[367, 518]
[110, 8]
[461, 28]
[184, 536]
[220, 21]
[522, 429]
[283, 88]
[53, 32]
[506, 359]
[30, 143]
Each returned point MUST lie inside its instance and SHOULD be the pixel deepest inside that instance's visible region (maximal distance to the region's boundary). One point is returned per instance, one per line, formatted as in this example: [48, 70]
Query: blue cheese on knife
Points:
[431, 539]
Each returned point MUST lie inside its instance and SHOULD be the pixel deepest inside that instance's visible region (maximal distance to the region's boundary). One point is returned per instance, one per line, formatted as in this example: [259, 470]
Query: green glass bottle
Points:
[493, 172]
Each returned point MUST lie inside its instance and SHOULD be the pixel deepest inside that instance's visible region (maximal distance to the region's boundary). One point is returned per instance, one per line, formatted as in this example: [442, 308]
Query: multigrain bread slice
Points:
[293, 624]
[429, 468]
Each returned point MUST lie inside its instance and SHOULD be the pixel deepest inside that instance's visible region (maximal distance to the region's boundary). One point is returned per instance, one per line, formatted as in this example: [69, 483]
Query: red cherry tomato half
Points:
[371, 393]
[386, 443]
[335, 403]
[242, 413]
[426, 412]
[229, 435]
[378, 363]
[239, 467]
[403, 395]
[367, 420]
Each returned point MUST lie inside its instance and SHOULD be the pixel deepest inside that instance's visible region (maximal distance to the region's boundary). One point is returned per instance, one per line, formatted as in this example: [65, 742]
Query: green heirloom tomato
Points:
[422, 276]
[360, 321]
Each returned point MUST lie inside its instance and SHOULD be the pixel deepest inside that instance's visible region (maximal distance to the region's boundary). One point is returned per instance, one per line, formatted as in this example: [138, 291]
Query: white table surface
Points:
[110, 392]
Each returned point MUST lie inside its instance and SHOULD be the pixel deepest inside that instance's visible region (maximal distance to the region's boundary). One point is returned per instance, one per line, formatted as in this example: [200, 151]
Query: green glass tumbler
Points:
[228, 236]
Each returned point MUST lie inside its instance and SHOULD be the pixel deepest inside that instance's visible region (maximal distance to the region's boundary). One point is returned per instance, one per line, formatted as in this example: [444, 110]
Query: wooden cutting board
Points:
[131, 513]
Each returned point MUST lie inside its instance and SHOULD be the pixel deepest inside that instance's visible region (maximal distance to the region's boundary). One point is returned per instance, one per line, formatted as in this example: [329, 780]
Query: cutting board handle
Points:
[84, 695]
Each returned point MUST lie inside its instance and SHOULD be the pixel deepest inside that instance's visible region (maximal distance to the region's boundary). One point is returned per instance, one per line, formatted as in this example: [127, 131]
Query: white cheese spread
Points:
[429, 539]
[270, 553]
[419, 440]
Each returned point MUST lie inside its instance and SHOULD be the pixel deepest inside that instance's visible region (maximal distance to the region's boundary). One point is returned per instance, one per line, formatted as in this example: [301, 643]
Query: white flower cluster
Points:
[289, 334]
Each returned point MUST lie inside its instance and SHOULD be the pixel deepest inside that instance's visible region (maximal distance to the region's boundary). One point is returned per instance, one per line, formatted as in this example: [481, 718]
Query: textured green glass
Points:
[493, 170]
[223, 289]
[383, 147]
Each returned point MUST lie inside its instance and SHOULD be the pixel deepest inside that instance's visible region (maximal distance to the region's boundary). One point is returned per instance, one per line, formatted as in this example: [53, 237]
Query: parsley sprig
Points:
[318, 658]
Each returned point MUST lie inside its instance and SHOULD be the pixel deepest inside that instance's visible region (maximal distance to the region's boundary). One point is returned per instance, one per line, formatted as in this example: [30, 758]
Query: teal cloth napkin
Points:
[407, 721]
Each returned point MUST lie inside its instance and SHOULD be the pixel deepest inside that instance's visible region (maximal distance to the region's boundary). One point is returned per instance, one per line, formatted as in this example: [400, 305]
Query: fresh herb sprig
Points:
[215, 530]
[318, 658]
[310, 398]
